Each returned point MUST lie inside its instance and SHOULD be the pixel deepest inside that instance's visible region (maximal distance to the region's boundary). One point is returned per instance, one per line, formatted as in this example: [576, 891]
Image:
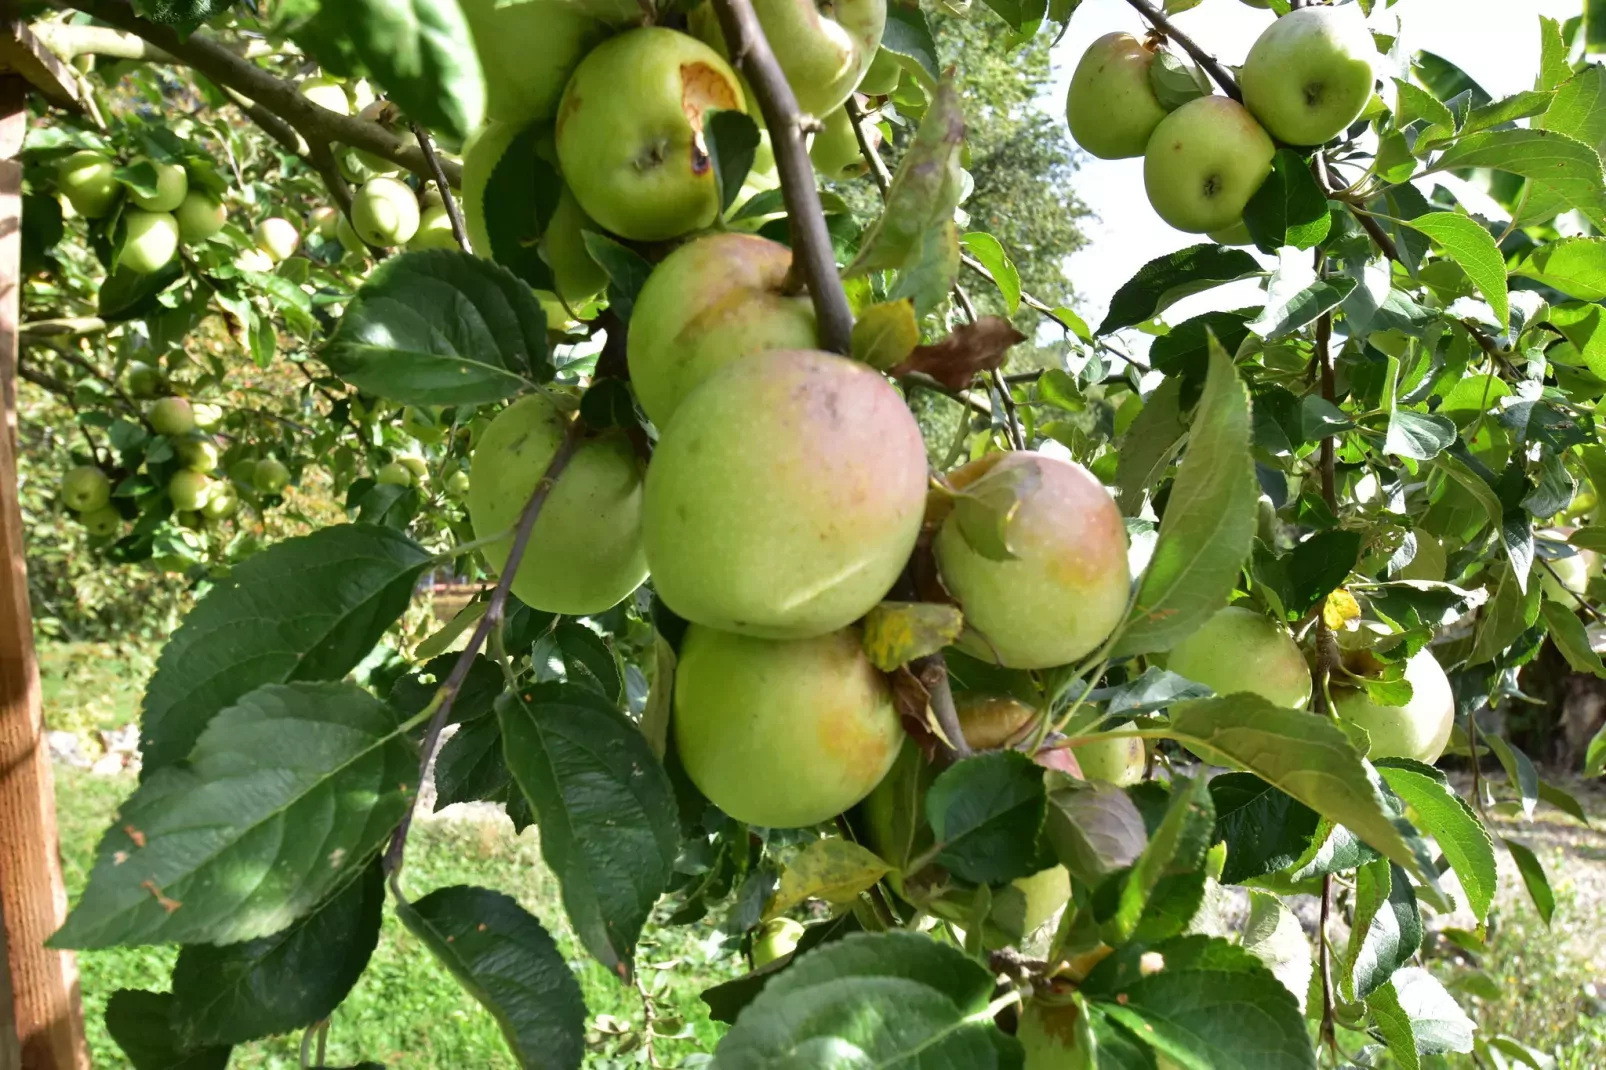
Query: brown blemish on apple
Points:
[704, 89]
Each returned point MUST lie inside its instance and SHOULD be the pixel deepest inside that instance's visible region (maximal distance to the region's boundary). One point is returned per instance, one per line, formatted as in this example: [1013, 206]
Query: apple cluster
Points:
[1305, 80]
[155, 219]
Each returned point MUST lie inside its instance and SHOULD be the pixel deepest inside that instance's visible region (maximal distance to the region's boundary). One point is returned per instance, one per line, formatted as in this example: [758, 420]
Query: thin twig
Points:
[878, 167]
[447, 695]
[1223, 77]
[1329, 1018]
[453, 213]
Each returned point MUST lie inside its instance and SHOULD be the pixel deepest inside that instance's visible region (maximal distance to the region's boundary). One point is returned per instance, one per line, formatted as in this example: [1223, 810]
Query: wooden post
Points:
[47, 1021]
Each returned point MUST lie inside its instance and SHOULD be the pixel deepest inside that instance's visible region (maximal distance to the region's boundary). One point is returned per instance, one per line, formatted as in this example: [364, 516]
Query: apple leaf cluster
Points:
[958, 740]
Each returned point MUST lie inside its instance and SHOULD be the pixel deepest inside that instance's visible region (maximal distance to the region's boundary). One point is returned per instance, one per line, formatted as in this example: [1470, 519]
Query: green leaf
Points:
[1555, 163]
[421, 51]
[1553, 66]
[1466, 242]
[508, 962]
[441, 327]
[214, 851]
[1563, 800]
[885, 334]
[1388, 927]
[1437, 1024]
[985, 509]
[1163, 282]
[180, 12]
[1294, 302]
[1212, 1005]
[1533, 878]
[1595, 755]
[1419, 435]
[627, 271]
[1094, 829]
[1189, 810]
[605, 805]
[732, 139]
[283, 982]
[924, 191]
[1447, 817]
[990, 251]
[587, 660]
[1571, 638]
[1393, 1024]
[1416, 104]
[1307, 757]
[1149, 445]
[469, 768]
[1446, 81]
[1289, 208]
[1265, 830]
[521, 197]
[139, 1023]
[1579, 108]
[1575, 266]
[987, 813]
[890, 999]
[1208, 524]
[1186, 350]
[1519, 770]
[127, 295]
[1521, 105]
[1274, 936]
[907, 34]
[308, 608]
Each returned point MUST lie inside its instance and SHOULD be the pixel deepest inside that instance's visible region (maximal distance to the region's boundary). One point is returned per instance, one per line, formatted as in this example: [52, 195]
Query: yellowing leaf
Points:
[835, 870]
[895, 633]
[1340, 609]
[886, 334]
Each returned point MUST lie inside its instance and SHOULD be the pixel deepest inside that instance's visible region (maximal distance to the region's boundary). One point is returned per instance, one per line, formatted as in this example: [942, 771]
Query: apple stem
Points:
[811, 241]
[447, 695]
[1223, 77]
[453, 212]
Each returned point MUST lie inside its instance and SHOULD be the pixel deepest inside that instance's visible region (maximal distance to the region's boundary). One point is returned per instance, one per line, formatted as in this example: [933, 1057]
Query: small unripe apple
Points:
[883, 75]
[349, 240]
[1240, 650]
[102, 522]
[1236, 234]
[835, 151]
[777, 939]
[207, 417]
[172, 184]
[1310, 75]
[1421, 728]
[277, 237]
[1119, 761]
[415, 464]
[270, 476]
[196, 454]
[223, 502]
[1111, 106]
[85, 488]
[578, 277]
[324, 220]
[434, 231]
[172, 417]
[1204, 162]
[150, 241]
[141, 380]
[385, 212]
[457, 484]
[1574, 572]
[1066, 588]
[629, 132]
[189, 490]
[711, 302]
[199, 216]
[326, 92]
[394, 473]
[782, 733]
[89, 181]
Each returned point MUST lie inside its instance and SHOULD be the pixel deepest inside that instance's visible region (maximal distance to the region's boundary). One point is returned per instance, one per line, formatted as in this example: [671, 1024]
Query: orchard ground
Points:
[1551, 981]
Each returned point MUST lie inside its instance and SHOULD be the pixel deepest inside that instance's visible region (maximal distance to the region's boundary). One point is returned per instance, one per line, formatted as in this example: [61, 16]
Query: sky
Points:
[1494, 41]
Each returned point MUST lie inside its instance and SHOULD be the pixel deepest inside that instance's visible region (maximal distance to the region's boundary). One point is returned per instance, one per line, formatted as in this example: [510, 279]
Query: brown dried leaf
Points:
[971, 348]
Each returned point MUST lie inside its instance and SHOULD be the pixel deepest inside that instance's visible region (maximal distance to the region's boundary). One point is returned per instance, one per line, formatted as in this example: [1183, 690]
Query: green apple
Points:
[395, 473]
[270, 476]
[710, 302]
[824, 50]
[142, 380]
[578, 277]
[171, 417]
[224, 502]
[349, 240]
[277, 237]
[207, 417]
[586, 548]
[189, 490]
[385, 212]
[416, 465]
[253, 259]
[1066, 588]
[1574, 572]
[326, 92]
[1240, 650]
[1052, 1035]
[457, 484]
[434, 231]
[785, 496]
[88, 180]
[527, 51]
[883, 75]
[782, 733]
[374, 165]
[776, 939]
[1310, 75]
[196, 454]
[1111, 106]
[199, 217]
[835, 150]
[85, 488]
[1431, 561]
[150, 241]
[324, 220]
[171, 186]
[102, 522]
[483, 152]
[1421, 728]
[1119, 761]
[1204, 161]
[1235, 234]
[629, 132]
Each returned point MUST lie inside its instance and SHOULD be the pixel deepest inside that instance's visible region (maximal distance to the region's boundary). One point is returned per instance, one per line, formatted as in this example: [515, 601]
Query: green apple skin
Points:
[1236, 234]
[1240, 650]
[172, 417]
[528, 51]
[823, 57]
[89, 182]
[1431, 561]
[483, 152]
[142, 380]
[85, 489]
[223, 503]
[207, 417]
[782, 733]
[1204, 161]
[327, 93]
[434, 231]
[395, 473]
[199, 217]
[578, 277]
[883, 75]
[710, 302]
[349, 240]
[172, 184]
[101, 522]
[277, 237]
[150, 241]
[457, 484]
[324, 220]
[835, 151]
[189, 490]
[586, 549]
[270, 476]
[1111, 107]
[385, 212]
[1067, 588]
[197, 454]
[629, 132]
[1421, 728]
[776, 940]
[1113, 761]
[785, 496]
[1575, 573]
[1310, 75]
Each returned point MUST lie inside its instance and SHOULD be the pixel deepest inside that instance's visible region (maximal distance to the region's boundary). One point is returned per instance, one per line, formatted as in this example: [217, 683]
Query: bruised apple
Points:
[586, 548]
[630, 132]
[1111, 107]
[710, 302]
[782, 733]
[1421, 728]
[1240, 650]
[785, 496]
[1067, 587]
